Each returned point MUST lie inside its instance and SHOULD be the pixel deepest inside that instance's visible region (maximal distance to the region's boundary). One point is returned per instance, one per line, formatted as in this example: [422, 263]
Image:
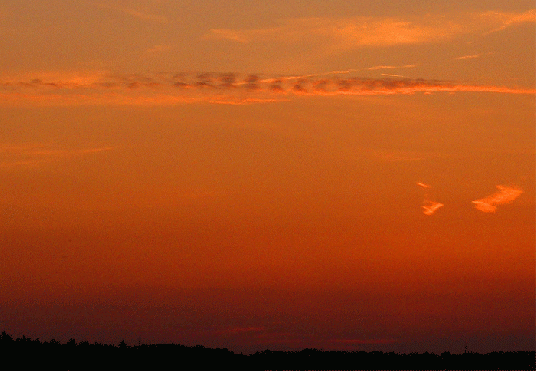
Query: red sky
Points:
[277, 176]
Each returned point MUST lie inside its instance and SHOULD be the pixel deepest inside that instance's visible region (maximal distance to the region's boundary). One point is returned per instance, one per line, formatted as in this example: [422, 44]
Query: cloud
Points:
[136, 13]
[157, 49]
[391, 75]
[473, 56]
[429, 206]
[228, 35]
[505, 195]
[34, 154]
[390, 67]
[341, 33]
[97, 88]
[356, 32]
[395, 155]
[504, 20]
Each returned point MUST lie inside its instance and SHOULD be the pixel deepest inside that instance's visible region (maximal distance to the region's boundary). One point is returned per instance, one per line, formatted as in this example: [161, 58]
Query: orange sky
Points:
[281, 176]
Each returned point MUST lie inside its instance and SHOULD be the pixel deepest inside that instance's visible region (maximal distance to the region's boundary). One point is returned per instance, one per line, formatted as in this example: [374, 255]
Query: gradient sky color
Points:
[282, 175]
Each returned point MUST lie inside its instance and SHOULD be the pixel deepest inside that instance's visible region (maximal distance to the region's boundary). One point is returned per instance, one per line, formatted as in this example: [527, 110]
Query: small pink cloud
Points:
[430, 207]
[505, 195]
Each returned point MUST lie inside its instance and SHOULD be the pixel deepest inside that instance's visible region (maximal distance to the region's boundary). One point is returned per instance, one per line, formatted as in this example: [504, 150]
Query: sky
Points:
[273, 175]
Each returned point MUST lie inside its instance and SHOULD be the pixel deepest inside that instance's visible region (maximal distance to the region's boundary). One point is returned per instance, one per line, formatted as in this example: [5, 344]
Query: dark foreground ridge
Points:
[32, 354]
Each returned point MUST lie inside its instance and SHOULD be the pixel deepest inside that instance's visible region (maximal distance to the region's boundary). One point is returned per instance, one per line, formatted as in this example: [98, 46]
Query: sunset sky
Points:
[343, 175]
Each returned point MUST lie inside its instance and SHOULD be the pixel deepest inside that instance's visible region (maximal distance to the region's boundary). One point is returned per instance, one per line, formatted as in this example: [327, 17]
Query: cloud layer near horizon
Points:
[220, 88]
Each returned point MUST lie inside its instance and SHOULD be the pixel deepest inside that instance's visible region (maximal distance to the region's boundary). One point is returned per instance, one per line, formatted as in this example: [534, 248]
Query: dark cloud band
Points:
[230, 88]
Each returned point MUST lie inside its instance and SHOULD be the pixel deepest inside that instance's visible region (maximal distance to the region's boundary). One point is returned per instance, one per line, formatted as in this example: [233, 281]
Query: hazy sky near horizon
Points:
[286, 174]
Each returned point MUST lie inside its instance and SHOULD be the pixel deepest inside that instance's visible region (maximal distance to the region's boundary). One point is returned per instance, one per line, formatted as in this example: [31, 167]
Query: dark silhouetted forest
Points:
[31, 354]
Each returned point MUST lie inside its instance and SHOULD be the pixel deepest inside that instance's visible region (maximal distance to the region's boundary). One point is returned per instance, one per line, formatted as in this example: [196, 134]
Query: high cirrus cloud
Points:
[219, 88]
[357, 32]
[505, 195]
[140, 14]
[341, 33]
[32, 154]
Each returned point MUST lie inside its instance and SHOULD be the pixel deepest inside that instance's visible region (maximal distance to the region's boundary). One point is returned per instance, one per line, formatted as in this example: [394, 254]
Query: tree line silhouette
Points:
[25, 353]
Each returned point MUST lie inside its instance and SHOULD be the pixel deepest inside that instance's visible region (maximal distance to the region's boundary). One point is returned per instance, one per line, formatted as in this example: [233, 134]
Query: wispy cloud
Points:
[393, 75]
[34, 154]
[133, 12]
[217, 88]
[504, 20]
[341, 33]
[394, 155]
[505, 195]
[429, 206]
[357, 32]
[473, 56]
[383, 67]
[390, 67]
[157, 49]
[227, 34]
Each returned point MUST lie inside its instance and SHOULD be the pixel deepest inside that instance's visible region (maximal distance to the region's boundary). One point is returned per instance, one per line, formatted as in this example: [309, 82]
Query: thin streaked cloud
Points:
[343, 33]
[505, 195]
[34, 154]
[395, 156]
[390, 67]
[218, 88]
[349, 33]
[140, 14]
[392, 75]
[473, 56]
[507, 19]
[157, 49]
